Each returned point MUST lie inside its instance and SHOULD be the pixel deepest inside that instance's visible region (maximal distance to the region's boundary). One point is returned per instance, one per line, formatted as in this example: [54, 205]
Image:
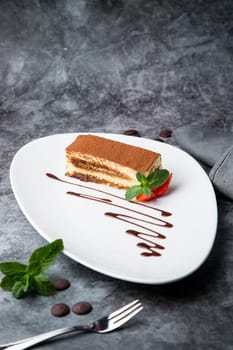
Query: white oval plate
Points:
[100, 242]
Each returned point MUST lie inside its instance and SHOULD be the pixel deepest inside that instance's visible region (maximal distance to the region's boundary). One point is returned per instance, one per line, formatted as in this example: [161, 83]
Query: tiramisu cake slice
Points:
[97, 159]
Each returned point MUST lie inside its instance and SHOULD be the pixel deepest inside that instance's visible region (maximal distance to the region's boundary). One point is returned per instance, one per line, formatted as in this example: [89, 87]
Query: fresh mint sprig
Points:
[147, 183]
[19, 278]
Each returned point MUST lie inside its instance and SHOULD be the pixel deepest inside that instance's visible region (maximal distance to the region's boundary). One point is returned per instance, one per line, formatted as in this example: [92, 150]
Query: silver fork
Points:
[103, 325]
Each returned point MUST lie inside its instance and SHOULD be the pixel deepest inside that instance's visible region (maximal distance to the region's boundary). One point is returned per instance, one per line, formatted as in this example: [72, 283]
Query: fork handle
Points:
[28, 342]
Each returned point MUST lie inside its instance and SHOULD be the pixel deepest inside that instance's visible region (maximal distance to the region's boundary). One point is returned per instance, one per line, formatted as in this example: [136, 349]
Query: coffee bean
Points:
[131, 132]
[60, 310]
[81, 308]
[165, 133]
[61, 284]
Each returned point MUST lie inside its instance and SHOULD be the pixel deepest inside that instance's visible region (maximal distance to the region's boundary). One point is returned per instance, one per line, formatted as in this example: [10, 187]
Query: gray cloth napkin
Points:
[214, 148]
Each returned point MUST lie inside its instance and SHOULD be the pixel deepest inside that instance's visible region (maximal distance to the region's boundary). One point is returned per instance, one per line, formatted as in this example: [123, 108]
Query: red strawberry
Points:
[157, 192]
[151, 186]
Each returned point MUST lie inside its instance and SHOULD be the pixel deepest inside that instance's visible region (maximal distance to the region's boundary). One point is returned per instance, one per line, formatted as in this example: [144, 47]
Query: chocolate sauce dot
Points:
[60, 310]
[82, 307]
[61, 284]
[131, 132]
[165, 133]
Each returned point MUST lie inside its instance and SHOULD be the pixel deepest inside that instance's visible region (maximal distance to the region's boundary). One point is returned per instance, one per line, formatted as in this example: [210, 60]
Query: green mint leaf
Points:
[147, 191]
[133, 192]
[20, 277]
[151, 176]
[42, 285]
[8, 282]
[147, 183]
[141, 178]
[20, 287]
[44, 256]
[159, 178]
[12, 268]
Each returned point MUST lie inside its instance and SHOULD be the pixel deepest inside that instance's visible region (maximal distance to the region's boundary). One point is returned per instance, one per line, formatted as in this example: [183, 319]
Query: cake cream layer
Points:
[96, 159]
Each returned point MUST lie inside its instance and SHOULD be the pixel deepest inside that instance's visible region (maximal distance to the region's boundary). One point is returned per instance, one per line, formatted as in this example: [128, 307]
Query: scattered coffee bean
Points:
[60, 310]
[165, 133]
[131, 132]
[81, 308]
[61, 284]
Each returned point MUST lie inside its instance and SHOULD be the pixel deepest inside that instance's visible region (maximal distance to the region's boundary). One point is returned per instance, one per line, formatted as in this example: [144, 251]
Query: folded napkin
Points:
[214, 148]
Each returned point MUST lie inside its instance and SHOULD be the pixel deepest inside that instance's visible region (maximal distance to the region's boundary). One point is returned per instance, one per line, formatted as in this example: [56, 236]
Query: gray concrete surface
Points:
[109, 66]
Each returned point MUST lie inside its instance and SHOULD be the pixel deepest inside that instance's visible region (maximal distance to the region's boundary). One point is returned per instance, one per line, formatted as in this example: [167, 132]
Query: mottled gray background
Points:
[109, 66]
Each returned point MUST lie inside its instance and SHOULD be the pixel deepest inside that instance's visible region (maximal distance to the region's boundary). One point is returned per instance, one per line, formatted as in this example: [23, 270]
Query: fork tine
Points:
[126, 315]
[124, 308]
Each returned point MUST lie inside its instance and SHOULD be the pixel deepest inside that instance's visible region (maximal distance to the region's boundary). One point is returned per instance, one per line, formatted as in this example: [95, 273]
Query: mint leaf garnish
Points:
[141, 178]
[157, 178]
[133, 192]
[20, 287]
[12, 268]
[44, 256]
[147, 183]
[8, 282]
[19, 278]
[147, 190]
[42, 285]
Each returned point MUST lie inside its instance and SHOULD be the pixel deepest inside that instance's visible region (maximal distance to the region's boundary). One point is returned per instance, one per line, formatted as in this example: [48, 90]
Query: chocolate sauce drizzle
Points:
[142, 235]
[162, 212]
[150, 247]
[161, 223]
[149, 244]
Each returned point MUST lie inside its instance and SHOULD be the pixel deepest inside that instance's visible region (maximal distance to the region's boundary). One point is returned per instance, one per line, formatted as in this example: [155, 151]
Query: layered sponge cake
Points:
[100, 160]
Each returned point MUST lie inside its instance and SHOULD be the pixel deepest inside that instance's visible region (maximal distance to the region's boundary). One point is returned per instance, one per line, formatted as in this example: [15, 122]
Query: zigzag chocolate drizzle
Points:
[149, 243]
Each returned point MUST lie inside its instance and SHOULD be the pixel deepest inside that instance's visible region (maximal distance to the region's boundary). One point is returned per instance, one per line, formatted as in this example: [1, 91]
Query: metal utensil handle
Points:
[26, 343]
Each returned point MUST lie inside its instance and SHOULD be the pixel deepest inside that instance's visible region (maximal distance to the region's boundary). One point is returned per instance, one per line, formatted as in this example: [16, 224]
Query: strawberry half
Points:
[157, 192]
[151, 186]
